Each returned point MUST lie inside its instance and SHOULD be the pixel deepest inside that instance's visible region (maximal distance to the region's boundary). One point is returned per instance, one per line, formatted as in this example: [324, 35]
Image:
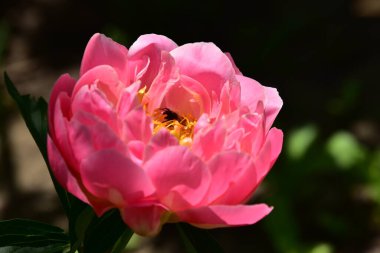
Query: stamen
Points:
[182, 127]
[141, 93]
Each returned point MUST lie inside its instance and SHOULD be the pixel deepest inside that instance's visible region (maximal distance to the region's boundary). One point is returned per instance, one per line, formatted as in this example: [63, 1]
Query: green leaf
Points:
[104, 232]
[34, 113]
[121, 244]
[198, 240]
[345, 149]
[19, 234]
[300, 140]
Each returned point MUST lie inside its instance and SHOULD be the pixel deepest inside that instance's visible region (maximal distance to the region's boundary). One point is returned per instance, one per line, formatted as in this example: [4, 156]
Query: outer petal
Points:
[110, 175]
[145, 56]
[252, 92]
[87, 135]
[59, 134]
[181, 178]
[224, 216]
[158, 42]
[64, 84]
[273, 104]
[233, 178]
[237, 70]
[205, 63]
[269, 152]
[144, 219]
[102, 50]
[62, 172]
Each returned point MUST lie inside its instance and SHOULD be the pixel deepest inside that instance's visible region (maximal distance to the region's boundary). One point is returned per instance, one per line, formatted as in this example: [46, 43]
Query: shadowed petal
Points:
[108, 174]
[64, 84]
[144, 219]
[159, 141]
[233, 178]
[88, 134]
[62, 172]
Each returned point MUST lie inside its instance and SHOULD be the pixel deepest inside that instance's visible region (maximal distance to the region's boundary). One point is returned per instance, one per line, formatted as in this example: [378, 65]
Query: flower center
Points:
[181, 127]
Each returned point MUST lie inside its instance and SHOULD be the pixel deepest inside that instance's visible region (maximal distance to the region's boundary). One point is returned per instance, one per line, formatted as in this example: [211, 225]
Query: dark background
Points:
[323, 57]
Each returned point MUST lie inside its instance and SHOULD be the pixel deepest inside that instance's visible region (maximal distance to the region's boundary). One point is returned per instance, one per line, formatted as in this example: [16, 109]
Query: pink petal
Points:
[104, 73]
[128, 100]
[159, 141]
[181, 178]
[188, 97]
[254, 125]
[145, 56]
[136, 151]
[102, 50]
[60, 132]
[269, 152]
[166, 77]
[136, 126]
[144, 219]
[87, 134]
[109, 175]
[158, 42]
[209, 141]
[62, 173]
[205, 63]
[224, 216]
[273, 104]
[237, 71]
[229, 97]
[94, 102]
[64, 84]
[233, 178]
[252, 92]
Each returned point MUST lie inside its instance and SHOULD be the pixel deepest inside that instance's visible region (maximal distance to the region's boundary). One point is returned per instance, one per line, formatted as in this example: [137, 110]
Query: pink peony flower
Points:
[164, 133]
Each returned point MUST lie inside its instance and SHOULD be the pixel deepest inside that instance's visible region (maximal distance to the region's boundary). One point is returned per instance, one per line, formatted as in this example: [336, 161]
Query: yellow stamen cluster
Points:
[182, 127]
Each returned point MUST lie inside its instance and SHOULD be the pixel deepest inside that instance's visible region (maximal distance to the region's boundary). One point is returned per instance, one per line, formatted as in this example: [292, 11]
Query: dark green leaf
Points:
[122, 242]
[34, 113]
[104, 232]
[198, 240]
[43, 249]
[18, 234]
[81, 216]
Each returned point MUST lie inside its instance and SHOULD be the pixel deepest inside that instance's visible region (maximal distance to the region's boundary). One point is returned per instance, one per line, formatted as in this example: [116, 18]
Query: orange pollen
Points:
[141, 93]
[182, 127]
